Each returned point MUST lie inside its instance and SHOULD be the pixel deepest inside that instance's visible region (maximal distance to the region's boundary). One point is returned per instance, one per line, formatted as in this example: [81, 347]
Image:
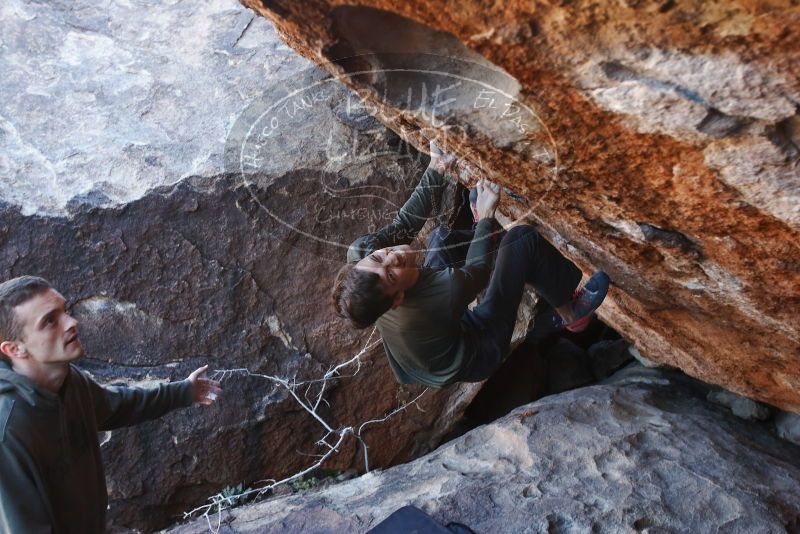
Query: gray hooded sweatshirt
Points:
[51, 472]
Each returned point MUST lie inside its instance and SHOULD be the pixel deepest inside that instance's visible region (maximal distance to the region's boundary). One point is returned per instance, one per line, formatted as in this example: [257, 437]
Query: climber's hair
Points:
[359, 296]
[13, 293]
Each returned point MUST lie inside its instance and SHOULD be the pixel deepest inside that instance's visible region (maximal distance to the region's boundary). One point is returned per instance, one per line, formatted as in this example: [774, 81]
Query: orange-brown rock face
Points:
[660, 143]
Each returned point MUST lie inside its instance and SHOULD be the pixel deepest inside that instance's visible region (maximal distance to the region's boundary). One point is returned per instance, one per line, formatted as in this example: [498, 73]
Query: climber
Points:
[51, 471]
[448, 242]
[429, 334]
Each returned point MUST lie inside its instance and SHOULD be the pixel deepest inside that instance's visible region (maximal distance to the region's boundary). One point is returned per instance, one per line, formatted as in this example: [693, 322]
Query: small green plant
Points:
[302, 484]
[233, 494]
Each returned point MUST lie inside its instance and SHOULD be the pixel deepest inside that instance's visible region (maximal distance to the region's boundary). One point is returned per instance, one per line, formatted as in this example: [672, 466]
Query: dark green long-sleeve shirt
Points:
[51, 472]
[424, 201]
[424, 338]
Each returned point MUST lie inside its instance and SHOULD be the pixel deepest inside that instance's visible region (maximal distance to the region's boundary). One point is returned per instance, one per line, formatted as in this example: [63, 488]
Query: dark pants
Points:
[522, 257]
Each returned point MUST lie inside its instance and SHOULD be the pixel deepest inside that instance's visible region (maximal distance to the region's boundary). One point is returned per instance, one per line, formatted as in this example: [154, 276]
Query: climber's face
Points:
[396, 267]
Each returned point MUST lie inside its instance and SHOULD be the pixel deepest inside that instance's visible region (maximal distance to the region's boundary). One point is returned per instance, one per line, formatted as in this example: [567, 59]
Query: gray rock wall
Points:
[122, 133]
[643, 452]
[102, 101]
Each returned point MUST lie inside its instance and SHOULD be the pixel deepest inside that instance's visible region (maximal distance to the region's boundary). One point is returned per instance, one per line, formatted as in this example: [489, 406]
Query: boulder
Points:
[633, 351]
[741, 406]
[787, 425]
[123, 136]
[643, 451]
[658, 141]
[103, 103]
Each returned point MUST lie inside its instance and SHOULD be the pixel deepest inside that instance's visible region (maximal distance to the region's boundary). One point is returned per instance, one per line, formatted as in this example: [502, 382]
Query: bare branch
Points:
[393, 412]
[381, 420]
[220, 502]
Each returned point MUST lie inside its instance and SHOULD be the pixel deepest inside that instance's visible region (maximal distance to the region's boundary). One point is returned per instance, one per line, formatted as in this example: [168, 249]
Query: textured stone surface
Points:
[787, 426]
[118, 186]
[675, 171]
[644, 361]
[156, 296]
[741, 406]
[643, 452]
[664, 150]
[103, 101]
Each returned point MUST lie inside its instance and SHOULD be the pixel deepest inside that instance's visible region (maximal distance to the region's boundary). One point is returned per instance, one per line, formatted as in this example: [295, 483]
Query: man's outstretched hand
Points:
[488, 199]
[204, 390]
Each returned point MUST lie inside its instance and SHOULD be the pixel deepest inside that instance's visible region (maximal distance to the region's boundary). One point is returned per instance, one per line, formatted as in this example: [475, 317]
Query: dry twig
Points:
[220, 502]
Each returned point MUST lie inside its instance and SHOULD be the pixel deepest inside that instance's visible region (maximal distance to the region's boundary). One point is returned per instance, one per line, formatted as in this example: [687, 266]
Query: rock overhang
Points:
[675, 140]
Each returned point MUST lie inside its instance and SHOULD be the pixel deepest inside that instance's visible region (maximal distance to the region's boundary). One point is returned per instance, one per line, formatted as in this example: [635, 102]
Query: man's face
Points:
[49, 333]
[396, 266]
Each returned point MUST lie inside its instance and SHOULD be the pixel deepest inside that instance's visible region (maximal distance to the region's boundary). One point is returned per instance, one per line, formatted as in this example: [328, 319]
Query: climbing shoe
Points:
[586, 300]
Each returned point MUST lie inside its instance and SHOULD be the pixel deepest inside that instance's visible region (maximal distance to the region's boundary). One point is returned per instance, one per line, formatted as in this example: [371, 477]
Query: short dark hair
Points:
[13, 293]
[358, 295]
